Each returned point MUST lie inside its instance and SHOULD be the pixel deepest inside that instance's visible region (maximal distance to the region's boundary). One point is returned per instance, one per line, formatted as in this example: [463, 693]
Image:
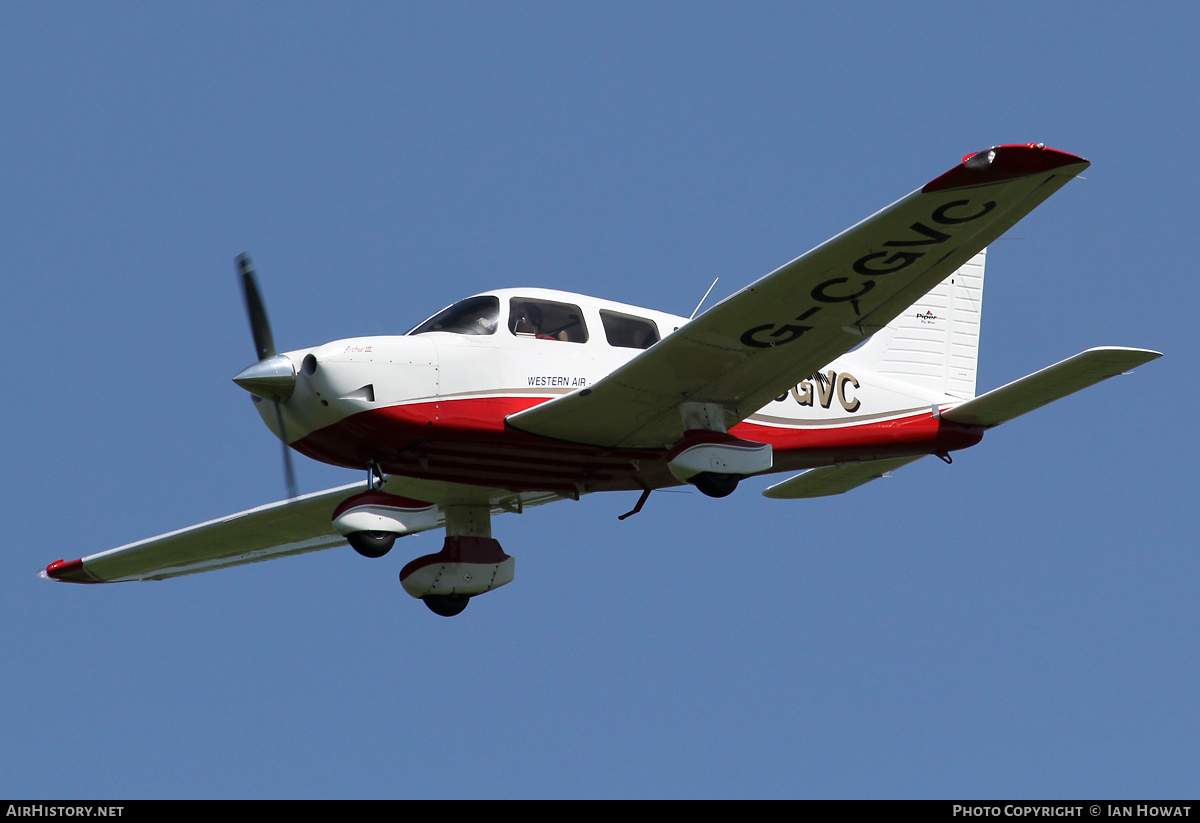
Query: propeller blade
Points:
[273, 376]
[289, 471]
[260, 326]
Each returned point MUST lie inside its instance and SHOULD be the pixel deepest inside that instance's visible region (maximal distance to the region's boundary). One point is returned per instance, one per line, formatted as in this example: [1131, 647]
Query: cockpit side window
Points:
[628, 332]
[546, 320]
[475, 315]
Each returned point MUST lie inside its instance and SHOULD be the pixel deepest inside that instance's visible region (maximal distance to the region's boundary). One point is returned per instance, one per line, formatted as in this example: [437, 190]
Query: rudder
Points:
[934, 344]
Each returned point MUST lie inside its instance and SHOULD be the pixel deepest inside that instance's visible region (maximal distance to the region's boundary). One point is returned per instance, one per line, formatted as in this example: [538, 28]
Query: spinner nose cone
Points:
[270, 378]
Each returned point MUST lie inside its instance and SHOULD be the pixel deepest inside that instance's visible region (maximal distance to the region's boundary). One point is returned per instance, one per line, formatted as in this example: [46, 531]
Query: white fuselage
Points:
[438, 398]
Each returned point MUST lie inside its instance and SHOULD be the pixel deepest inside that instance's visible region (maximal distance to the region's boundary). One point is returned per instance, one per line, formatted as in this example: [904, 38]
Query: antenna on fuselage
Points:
[702, 299]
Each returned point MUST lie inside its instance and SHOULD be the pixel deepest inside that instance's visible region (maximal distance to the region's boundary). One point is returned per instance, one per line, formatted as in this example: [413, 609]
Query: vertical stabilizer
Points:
[934, 344]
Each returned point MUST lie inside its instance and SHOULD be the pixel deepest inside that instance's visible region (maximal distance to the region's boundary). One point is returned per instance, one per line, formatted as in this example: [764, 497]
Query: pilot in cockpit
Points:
[527, 322]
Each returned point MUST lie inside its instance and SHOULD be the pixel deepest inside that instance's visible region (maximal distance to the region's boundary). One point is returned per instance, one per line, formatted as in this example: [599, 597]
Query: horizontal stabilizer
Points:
[836, 479]
[1050, 384]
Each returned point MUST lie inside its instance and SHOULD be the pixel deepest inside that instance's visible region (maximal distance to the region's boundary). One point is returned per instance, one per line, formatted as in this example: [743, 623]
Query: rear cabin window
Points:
[628, 332]
[546, 320]
[475, 315]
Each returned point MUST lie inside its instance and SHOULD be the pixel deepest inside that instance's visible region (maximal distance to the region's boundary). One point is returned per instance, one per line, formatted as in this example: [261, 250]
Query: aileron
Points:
[752, 346]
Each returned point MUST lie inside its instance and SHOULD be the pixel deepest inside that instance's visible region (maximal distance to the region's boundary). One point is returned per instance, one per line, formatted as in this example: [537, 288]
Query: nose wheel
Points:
[371, 544]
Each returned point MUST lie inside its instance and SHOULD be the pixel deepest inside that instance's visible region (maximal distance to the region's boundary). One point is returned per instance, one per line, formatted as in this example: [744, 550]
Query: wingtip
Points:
[1004, 163]
[68, 571]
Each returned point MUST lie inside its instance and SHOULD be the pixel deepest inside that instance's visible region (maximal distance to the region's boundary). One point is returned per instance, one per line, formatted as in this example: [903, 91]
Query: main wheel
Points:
[715, 485]
[371, 544]
[447, 605]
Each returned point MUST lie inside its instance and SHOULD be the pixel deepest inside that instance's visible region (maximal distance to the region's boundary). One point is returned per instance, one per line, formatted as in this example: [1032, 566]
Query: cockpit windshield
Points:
[475, 315]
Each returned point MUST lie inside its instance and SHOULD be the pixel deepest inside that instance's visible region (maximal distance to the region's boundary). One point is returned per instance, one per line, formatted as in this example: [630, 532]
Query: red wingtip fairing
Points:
[1003, 163]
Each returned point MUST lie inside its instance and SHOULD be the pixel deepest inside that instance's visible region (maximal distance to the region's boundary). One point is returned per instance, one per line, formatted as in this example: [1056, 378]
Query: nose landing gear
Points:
[371, 544]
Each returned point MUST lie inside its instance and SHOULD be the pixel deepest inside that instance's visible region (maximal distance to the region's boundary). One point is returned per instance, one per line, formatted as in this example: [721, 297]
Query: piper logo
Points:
[896, 256]
[927, 318]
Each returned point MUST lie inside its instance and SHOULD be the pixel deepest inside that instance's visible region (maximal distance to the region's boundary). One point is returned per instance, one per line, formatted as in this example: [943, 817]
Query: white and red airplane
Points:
[850, 361]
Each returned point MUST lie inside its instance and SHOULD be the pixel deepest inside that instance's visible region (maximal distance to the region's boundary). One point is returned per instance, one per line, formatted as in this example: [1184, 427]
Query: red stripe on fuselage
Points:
[465, 440]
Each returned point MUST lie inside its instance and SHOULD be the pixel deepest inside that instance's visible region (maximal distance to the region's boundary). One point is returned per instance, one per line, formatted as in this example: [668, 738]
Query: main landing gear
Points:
[470, 562]
[446, 605]
[714, 484]
[715, 461]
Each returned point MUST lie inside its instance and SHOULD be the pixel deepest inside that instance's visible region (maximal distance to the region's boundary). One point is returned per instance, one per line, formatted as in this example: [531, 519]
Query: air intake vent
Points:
[367, 393]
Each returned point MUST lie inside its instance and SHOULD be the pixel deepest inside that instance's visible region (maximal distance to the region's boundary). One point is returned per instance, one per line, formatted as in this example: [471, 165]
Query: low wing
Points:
[752, 346]
[302, 524]
[837, 479]
[1050, 384]
[296, 526]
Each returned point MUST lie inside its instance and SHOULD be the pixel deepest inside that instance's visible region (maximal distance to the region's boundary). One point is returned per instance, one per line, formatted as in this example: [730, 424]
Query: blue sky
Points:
[1020, 624]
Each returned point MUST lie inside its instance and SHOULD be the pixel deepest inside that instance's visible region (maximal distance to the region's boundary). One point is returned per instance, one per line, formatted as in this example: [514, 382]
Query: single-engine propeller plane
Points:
[846, 363]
